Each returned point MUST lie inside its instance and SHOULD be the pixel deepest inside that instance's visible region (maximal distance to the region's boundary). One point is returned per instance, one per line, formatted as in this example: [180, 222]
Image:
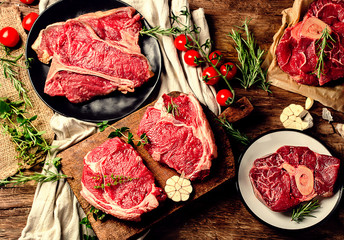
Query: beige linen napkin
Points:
[55, 212]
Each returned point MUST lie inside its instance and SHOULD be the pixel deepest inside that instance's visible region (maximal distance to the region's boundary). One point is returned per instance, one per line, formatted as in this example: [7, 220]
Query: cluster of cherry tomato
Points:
[210, 75]
[9, 36]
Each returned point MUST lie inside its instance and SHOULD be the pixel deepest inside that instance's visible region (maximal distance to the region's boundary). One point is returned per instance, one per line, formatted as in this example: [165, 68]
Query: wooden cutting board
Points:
[223, 168]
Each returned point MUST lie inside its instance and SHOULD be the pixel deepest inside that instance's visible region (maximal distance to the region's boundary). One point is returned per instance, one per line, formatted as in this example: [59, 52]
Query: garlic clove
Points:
[169, 188]
[170, 181]
[309, 103]
[188, 189]
[287, 123]
[283, 117]
[296, 109]
[186, 182]
[170, 194]
[340, 129]
[184, 197]
[175, 178]
[287, 111]
[177, 197]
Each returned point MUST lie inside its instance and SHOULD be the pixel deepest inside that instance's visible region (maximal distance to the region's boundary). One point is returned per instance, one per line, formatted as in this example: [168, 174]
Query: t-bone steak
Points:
[127, 200]
[298, 51]
[95, 49]
[179, 135]
[293, 175]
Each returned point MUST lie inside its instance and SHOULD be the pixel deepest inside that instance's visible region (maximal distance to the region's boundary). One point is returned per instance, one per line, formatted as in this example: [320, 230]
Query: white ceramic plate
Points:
[265, 145]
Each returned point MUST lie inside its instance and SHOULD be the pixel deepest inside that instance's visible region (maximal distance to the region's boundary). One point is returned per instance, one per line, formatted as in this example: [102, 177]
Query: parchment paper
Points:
[330, 95]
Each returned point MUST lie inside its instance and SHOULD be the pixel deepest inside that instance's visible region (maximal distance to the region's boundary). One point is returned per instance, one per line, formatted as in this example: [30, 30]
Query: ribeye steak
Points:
[179, 135]
[127, 200]
[292, 175]
[298, 51]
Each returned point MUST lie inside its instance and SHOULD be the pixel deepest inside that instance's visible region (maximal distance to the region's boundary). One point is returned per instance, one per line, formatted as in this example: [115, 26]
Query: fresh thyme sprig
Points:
[120, 132]
[172, 108]
[20, 178]
[97, 214]
[193, 31]
[117, 179]
[250, 58]
[234, 133]
[325, 37]
[86, 222]
[8, 65]
[30, 143]
[304, 210]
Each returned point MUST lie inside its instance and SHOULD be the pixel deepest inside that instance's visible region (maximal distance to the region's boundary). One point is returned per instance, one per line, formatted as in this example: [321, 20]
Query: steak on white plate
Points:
[293, 175]
[127, 200]
[179, 135]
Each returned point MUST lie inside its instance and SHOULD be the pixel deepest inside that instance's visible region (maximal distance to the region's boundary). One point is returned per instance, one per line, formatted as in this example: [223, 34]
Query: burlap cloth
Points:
[55, 212]
[331, 95]
[10, 16]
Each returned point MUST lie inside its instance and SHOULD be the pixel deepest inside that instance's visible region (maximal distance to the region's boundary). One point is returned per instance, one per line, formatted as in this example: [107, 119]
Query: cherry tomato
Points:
[27, 1]
[29, 20]
[181, 41]
[210, 76]
[9, 36]
[190, 57]
[222, 97]
[216, 58]
[228, 70]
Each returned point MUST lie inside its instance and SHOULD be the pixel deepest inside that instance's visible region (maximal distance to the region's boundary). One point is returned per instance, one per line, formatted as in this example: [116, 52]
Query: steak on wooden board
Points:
[181, 138]
[293, 175]
[127, 200]
[92, 50]
[298, 50]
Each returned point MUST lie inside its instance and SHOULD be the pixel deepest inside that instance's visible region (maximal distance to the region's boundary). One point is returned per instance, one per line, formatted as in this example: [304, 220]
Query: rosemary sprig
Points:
[154, 32]
[8, 65]
[119, 132]
[29, 141]
[172, 108]
[304, 210]
[325, 37]
[250, 58]
[193, 31]
[117, 179]
[20, 178]
[234, 133]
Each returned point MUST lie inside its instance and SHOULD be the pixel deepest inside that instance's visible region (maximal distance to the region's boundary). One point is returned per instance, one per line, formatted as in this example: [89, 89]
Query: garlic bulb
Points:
[296, 117]
[178, 188]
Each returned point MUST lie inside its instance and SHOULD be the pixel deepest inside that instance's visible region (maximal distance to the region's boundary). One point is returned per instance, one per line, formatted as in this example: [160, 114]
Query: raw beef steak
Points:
[78, 87]
[298, 50]
[127, 200]
[292, 175]
[181, 137]
[117, 26]
[97, 48]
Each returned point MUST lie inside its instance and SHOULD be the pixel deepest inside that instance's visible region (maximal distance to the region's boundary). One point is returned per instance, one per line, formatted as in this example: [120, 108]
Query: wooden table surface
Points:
[221, 213]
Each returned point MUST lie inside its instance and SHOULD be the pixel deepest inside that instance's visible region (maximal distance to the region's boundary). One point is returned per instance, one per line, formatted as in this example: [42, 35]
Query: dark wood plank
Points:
[221, 214]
